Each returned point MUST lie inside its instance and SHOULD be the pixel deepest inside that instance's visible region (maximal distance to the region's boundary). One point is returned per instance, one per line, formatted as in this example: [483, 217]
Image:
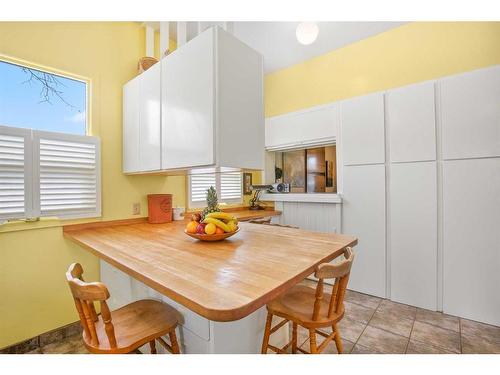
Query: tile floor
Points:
[373, 325]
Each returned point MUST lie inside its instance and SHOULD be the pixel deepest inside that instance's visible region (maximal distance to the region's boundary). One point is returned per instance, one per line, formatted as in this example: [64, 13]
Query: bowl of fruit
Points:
[212, 224]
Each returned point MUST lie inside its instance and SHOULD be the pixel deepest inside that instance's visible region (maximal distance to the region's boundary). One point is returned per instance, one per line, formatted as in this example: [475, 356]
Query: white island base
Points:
[196, 334]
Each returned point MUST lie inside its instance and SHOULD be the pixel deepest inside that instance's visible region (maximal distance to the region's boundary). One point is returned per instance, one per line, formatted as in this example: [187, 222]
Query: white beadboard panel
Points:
[470, 114]
[471, 229]
[319, 217]
[411, 123]
[362, 128]
[363, 216]
[413, 234]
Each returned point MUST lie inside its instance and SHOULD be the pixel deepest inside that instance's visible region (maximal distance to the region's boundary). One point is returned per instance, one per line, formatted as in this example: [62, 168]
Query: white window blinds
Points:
[48, 174]
[228, 185]
[15, 173]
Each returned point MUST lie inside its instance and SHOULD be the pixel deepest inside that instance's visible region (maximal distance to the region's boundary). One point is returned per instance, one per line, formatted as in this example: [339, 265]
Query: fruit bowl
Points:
[211, 237]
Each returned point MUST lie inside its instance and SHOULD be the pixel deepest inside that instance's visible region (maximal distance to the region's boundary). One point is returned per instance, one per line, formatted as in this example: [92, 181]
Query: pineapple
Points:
[212, 204]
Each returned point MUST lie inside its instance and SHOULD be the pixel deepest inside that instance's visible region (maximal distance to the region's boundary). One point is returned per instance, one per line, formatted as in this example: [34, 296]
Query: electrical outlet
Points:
[136, 209]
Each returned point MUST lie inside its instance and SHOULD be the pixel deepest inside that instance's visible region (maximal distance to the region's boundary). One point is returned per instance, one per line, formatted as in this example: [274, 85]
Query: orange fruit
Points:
[219, 231]
[210, 228]
[191, 227]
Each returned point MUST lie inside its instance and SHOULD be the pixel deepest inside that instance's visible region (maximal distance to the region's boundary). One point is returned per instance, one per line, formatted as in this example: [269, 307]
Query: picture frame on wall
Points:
[247, 183]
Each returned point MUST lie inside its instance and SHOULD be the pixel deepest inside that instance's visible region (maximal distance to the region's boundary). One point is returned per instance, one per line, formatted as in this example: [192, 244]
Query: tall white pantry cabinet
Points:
[421, 190]
[199, 108]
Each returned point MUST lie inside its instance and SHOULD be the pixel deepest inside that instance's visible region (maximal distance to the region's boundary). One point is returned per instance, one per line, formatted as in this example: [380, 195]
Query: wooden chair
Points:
[312, 309]
[125, 329]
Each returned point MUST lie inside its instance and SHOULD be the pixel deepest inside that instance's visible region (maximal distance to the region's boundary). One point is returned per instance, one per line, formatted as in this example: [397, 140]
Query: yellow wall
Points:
[411, 53]
[34, 296]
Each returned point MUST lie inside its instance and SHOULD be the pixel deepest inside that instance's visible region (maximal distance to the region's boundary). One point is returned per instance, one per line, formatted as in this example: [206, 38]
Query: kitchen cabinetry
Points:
[362, 124]
[363, 213]
[470, 114]
[471, 223]
[411, 123]
[141, 122]
[210, 117]
[413, 234]
[301, 129]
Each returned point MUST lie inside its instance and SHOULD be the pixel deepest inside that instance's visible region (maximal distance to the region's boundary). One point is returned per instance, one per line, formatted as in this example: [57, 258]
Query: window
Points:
[48, 166]
[228, 185]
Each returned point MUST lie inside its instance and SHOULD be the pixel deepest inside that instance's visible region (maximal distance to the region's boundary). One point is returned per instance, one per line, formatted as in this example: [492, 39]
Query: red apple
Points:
[200, 229]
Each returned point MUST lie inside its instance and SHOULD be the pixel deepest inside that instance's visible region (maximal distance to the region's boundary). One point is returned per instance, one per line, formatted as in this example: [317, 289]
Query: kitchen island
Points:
[219, 288]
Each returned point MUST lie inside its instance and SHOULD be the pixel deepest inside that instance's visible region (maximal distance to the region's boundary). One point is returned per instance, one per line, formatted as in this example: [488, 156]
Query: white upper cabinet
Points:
[131, 126]
[305, 128]
[411, 123]
[150, 123]
[470, 114]
[188, 104]
[362, 130]
[141, 122]
[199, 109]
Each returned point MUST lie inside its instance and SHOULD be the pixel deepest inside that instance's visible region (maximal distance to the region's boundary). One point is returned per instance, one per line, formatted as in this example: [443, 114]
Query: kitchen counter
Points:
[220, 281]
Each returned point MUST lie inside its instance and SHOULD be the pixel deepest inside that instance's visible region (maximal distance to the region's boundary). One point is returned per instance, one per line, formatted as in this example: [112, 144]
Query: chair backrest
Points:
[340, 272]
[85, 295]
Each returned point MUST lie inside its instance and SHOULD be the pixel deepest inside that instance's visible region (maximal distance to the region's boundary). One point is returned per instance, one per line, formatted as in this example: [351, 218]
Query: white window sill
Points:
[302, 197]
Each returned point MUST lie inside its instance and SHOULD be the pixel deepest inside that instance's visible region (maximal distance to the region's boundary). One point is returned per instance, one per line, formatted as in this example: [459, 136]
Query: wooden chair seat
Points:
[125, 329]
[297, 304]
[311, 309]
[135, 324]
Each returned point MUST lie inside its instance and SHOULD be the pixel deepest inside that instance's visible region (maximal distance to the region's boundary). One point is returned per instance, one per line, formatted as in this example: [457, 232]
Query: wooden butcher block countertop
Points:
[222, 281]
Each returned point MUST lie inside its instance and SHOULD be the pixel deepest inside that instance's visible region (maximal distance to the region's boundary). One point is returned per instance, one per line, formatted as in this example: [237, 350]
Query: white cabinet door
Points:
[362, 130]
[470, 114]
[363, 216]
[150, 119]
[188, 94]
[302, 127]
[119, 286]
[413, 234]
[471, 229]
[131, 124]
[411, 123]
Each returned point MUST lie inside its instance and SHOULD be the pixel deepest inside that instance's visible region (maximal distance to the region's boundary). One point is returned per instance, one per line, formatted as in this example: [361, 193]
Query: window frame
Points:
[202, 204]
[59, 73]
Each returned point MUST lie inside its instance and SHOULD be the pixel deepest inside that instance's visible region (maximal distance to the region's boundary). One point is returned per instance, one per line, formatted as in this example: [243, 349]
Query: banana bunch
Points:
[223, 220]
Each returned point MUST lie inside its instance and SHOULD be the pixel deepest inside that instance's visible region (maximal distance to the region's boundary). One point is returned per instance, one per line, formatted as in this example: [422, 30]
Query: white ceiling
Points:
[277, 42]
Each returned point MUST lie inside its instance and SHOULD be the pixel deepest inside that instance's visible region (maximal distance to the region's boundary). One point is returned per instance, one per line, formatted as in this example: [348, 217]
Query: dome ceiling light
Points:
[307, 32]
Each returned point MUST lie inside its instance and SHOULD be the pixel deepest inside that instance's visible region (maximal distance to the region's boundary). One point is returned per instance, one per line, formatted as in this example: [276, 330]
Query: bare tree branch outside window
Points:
[51, 86]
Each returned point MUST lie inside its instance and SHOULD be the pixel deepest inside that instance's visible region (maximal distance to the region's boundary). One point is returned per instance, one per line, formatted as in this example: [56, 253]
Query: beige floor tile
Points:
[438, 319]
[479, 345]
[331, 347]
[360, 349]
[432, 335]
[417, 347]
[397, 310]
[70, 345]
[357, 312]
[486, 331]
[378, 340]
[362, 299]
[349, 329]
[392, 323]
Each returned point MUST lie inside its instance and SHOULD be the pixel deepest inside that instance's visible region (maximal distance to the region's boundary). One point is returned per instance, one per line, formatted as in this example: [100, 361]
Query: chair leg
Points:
[294, 338]
[173, 342]
[312, 341]
[152, 345]
[338, 340]
[267, 333]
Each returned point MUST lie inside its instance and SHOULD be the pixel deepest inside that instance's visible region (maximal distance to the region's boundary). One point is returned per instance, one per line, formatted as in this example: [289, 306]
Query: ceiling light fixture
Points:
[307, 32]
